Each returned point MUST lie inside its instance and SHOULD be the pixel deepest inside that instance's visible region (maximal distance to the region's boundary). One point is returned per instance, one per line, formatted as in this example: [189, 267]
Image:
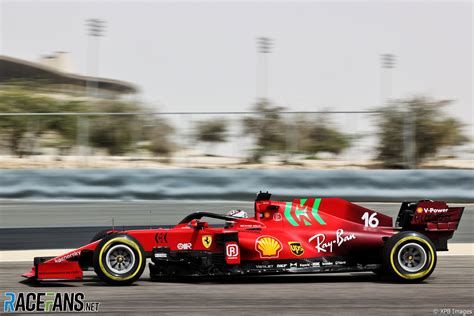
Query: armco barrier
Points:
[236, 184]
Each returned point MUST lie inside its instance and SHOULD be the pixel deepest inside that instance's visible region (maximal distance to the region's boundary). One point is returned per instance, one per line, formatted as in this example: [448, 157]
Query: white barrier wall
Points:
[226, 184]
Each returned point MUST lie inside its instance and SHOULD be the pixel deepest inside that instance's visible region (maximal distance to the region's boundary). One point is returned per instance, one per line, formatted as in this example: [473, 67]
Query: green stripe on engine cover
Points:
[298, 213]
[288, 216]
[314, 211]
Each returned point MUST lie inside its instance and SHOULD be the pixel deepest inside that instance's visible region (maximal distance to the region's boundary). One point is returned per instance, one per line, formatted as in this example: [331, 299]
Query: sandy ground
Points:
[44, 161]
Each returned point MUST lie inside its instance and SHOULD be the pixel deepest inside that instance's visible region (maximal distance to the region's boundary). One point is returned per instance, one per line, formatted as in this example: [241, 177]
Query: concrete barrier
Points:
[234, 184]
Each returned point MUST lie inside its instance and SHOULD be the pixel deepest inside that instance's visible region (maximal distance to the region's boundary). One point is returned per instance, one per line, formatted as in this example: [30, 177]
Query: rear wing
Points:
[431, 215]
[433, 218]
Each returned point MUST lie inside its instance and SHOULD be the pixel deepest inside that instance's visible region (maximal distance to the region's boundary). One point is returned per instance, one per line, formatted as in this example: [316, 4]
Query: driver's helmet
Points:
[238, 214]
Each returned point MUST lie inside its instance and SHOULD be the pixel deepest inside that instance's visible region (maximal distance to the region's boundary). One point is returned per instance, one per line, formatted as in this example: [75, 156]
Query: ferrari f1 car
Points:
[302, 236]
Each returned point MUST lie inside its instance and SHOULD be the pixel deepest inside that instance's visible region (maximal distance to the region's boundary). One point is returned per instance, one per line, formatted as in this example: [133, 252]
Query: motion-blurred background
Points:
[129, 89]
[315, 85]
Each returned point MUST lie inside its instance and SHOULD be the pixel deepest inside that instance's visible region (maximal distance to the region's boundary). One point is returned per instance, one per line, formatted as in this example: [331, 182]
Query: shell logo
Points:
[268, 247]
[419, 210]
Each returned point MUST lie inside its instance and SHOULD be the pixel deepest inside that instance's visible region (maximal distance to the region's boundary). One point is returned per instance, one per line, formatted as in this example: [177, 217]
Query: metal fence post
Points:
[409, 139]
[82, 137]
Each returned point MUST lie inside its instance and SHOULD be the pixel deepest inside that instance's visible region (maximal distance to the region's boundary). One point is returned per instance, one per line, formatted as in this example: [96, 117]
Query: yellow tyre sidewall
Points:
[128, 242]
[418, 275]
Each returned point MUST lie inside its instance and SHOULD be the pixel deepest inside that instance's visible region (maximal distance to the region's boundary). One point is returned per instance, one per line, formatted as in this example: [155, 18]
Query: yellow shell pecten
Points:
[268, 246]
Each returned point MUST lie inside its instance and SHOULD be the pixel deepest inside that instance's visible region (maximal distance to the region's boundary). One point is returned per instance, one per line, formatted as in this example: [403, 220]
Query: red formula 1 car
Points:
[302, 236]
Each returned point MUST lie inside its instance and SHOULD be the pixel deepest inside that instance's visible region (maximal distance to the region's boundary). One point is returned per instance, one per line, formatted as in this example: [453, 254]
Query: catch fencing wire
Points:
[186, 122]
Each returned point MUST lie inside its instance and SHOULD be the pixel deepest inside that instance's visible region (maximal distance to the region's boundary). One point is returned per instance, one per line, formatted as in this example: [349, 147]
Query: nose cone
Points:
[30, 274]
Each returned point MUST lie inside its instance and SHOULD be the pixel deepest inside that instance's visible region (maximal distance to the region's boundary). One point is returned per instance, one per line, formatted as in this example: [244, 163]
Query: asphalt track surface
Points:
[451, 286]
[59, 225]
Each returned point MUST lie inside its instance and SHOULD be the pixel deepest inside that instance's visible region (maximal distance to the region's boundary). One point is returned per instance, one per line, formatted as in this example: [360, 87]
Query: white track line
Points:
[465, 249]
[28, 255]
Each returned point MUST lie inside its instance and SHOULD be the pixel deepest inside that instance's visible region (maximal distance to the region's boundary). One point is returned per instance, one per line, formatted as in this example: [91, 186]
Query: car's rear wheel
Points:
[119, 259]
[409, 257]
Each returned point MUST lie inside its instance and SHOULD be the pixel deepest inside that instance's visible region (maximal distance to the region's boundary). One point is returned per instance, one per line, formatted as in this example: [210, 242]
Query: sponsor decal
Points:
[268, 247]
[49, 302]
[250, 226]
[264, 266]
[232, 253]
[303, 212]
[161, 255]
[277, 217]
[296, 248]
[206, 241]
[160, 238]
[435, 210]
[327, 263]
[185, 246]
[68, 256]
[340, 262]
[323, 246]
[304, 264]
[282, 265]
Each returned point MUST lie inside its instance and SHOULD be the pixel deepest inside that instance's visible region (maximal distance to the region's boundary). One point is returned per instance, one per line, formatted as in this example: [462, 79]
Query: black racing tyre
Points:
[409, 257]
[99, 235]
[119, 259]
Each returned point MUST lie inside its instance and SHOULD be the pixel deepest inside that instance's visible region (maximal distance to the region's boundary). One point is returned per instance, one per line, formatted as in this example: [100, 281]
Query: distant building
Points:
[60, 61]
[56, 71]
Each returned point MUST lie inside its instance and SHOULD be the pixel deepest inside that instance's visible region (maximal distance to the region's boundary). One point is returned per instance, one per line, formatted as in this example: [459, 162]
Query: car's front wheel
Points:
[409, 257]
[119, 259]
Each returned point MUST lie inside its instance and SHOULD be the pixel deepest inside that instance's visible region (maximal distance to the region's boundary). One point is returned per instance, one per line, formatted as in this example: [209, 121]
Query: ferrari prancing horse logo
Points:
[206, 241]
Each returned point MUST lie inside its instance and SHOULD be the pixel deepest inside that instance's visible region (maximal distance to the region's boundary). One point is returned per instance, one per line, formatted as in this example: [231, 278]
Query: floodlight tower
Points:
[388, 62]
[264, 48]
[95, 30]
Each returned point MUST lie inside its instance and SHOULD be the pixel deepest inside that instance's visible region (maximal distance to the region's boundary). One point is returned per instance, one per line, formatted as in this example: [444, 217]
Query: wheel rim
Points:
[120, 259]
[412, 257]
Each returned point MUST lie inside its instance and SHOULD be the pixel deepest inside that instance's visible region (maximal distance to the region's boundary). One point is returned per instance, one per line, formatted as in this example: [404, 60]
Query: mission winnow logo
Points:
[47, 302]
